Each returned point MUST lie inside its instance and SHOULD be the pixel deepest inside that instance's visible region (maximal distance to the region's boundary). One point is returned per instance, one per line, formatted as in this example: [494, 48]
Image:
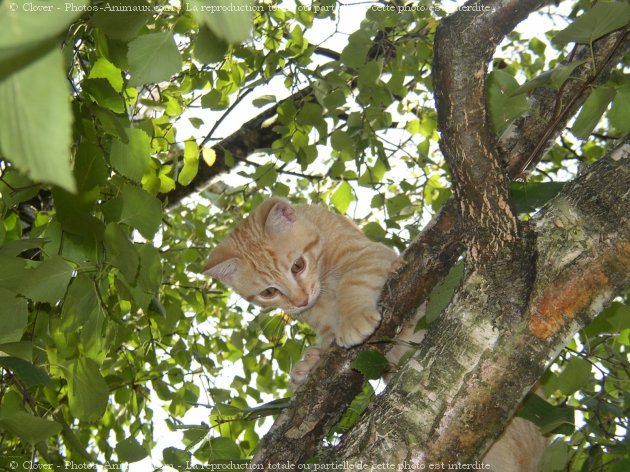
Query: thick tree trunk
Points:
[455, 395]
[499, 286]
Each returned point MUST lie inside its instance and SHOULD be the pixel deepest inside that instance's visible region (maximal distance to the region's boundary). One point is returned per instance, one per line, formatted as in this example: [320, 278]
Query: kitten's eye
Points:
[298, 265]
[269, 292]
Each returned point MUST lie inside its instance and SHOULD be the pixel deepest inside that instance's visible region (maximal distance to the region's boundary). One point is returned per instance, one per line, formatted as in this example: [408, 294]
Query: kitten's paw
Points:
[396, 264]
[301, 370]
[354, 330]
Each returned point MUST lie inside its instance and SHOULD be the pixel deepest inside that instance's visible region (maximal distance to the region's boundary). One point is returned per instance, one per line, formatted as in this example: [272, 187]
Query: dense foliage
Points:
[109, 336]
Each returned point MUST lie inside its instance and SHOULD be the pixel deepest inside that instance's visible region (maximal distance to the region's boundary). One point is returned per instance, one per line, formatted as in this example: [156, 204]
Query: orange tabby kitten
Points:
[319, 267]
[314, 264]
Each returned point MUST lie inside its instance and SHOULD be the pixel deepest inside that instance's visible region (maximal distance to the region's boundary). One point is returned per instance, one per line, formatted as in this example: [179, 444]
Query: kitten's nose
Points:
[303, 303]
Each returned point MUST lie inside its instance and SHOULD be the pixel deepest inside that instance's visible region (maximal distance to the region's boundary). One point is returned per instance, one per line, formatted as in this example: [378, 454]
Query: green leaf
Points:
[264, 100]
[156, 307]
[231, 22]
[374, 231]
[592, 111]
[131, 159]
[503, 107]
[622, 465]
[265, 175]
[342, 197]
[12, 273]
[87, 390]
[209, 48]
[288, 355]
[342, 142]
[13, 316]
[175, 457]
[125, 18]
[371, 364]
[551, 78]
[270, 408]
[310, 114]
[80, 304]
[549, 418]
[575, 375]
[150, 275]
[90, 169]
[215, 100]
[141, 210]
[112, 124]
[128, 450]
[442, 293]
[153, 57]
[355, 52]
[619, 113]
[93, 341]
[18, 246]
[29, 428]
[36, 121]
[556, 457]
[103, 69]
[618, 316]
[369, 74]
[397, 203]
[600, 20]
[21, 349]
[224, 448]
[613, 319]
[273, 328]
[209, 156]
[48, 282]
[27, 33]
[16, 187]
[223, 410]
[358, 405]
[104, 94]
[121, 252]
[23, 25]
[335, 99]
[29, 374]
[191, 163]
[74, 212]
[560, 74]
[530, 196]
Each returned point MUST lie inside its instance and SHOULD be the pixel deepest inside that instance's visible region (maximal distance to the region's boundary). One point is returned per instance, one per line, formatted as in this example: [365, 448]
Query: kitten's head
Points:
[271, 259]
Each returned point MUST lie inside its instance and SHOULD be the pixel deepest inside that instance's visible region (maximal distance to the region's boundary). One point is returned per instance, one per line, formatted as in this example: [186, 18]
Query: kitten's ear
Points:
[280, 218]
[222, 265]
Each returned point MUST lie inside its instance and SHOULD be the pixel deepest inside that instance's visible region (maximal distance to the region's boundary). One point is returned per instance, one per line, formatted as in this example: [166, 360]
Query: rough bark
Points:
[468, 376]
[426, 262]
[463, 48]
[496, 247]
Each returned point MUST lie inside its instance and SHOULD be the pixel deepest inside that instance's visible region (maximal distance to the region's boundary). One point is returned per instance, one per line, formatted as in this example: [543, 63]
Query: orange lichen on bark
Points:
[561, 302]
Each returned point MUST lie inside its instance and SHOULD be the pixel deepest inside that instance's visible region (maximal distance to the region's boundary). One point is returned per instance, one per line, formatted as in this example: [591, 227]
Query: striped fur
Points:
[337, 289]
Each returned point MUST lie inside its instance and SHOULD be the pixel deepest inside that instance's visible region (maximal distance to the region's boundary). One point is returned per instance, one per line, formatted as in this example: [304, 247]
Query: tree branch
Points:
[468, 376]
[240, 144]
[528, 139]
[463, 48]
[426, 261]
[318, 404]
[253, 136]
